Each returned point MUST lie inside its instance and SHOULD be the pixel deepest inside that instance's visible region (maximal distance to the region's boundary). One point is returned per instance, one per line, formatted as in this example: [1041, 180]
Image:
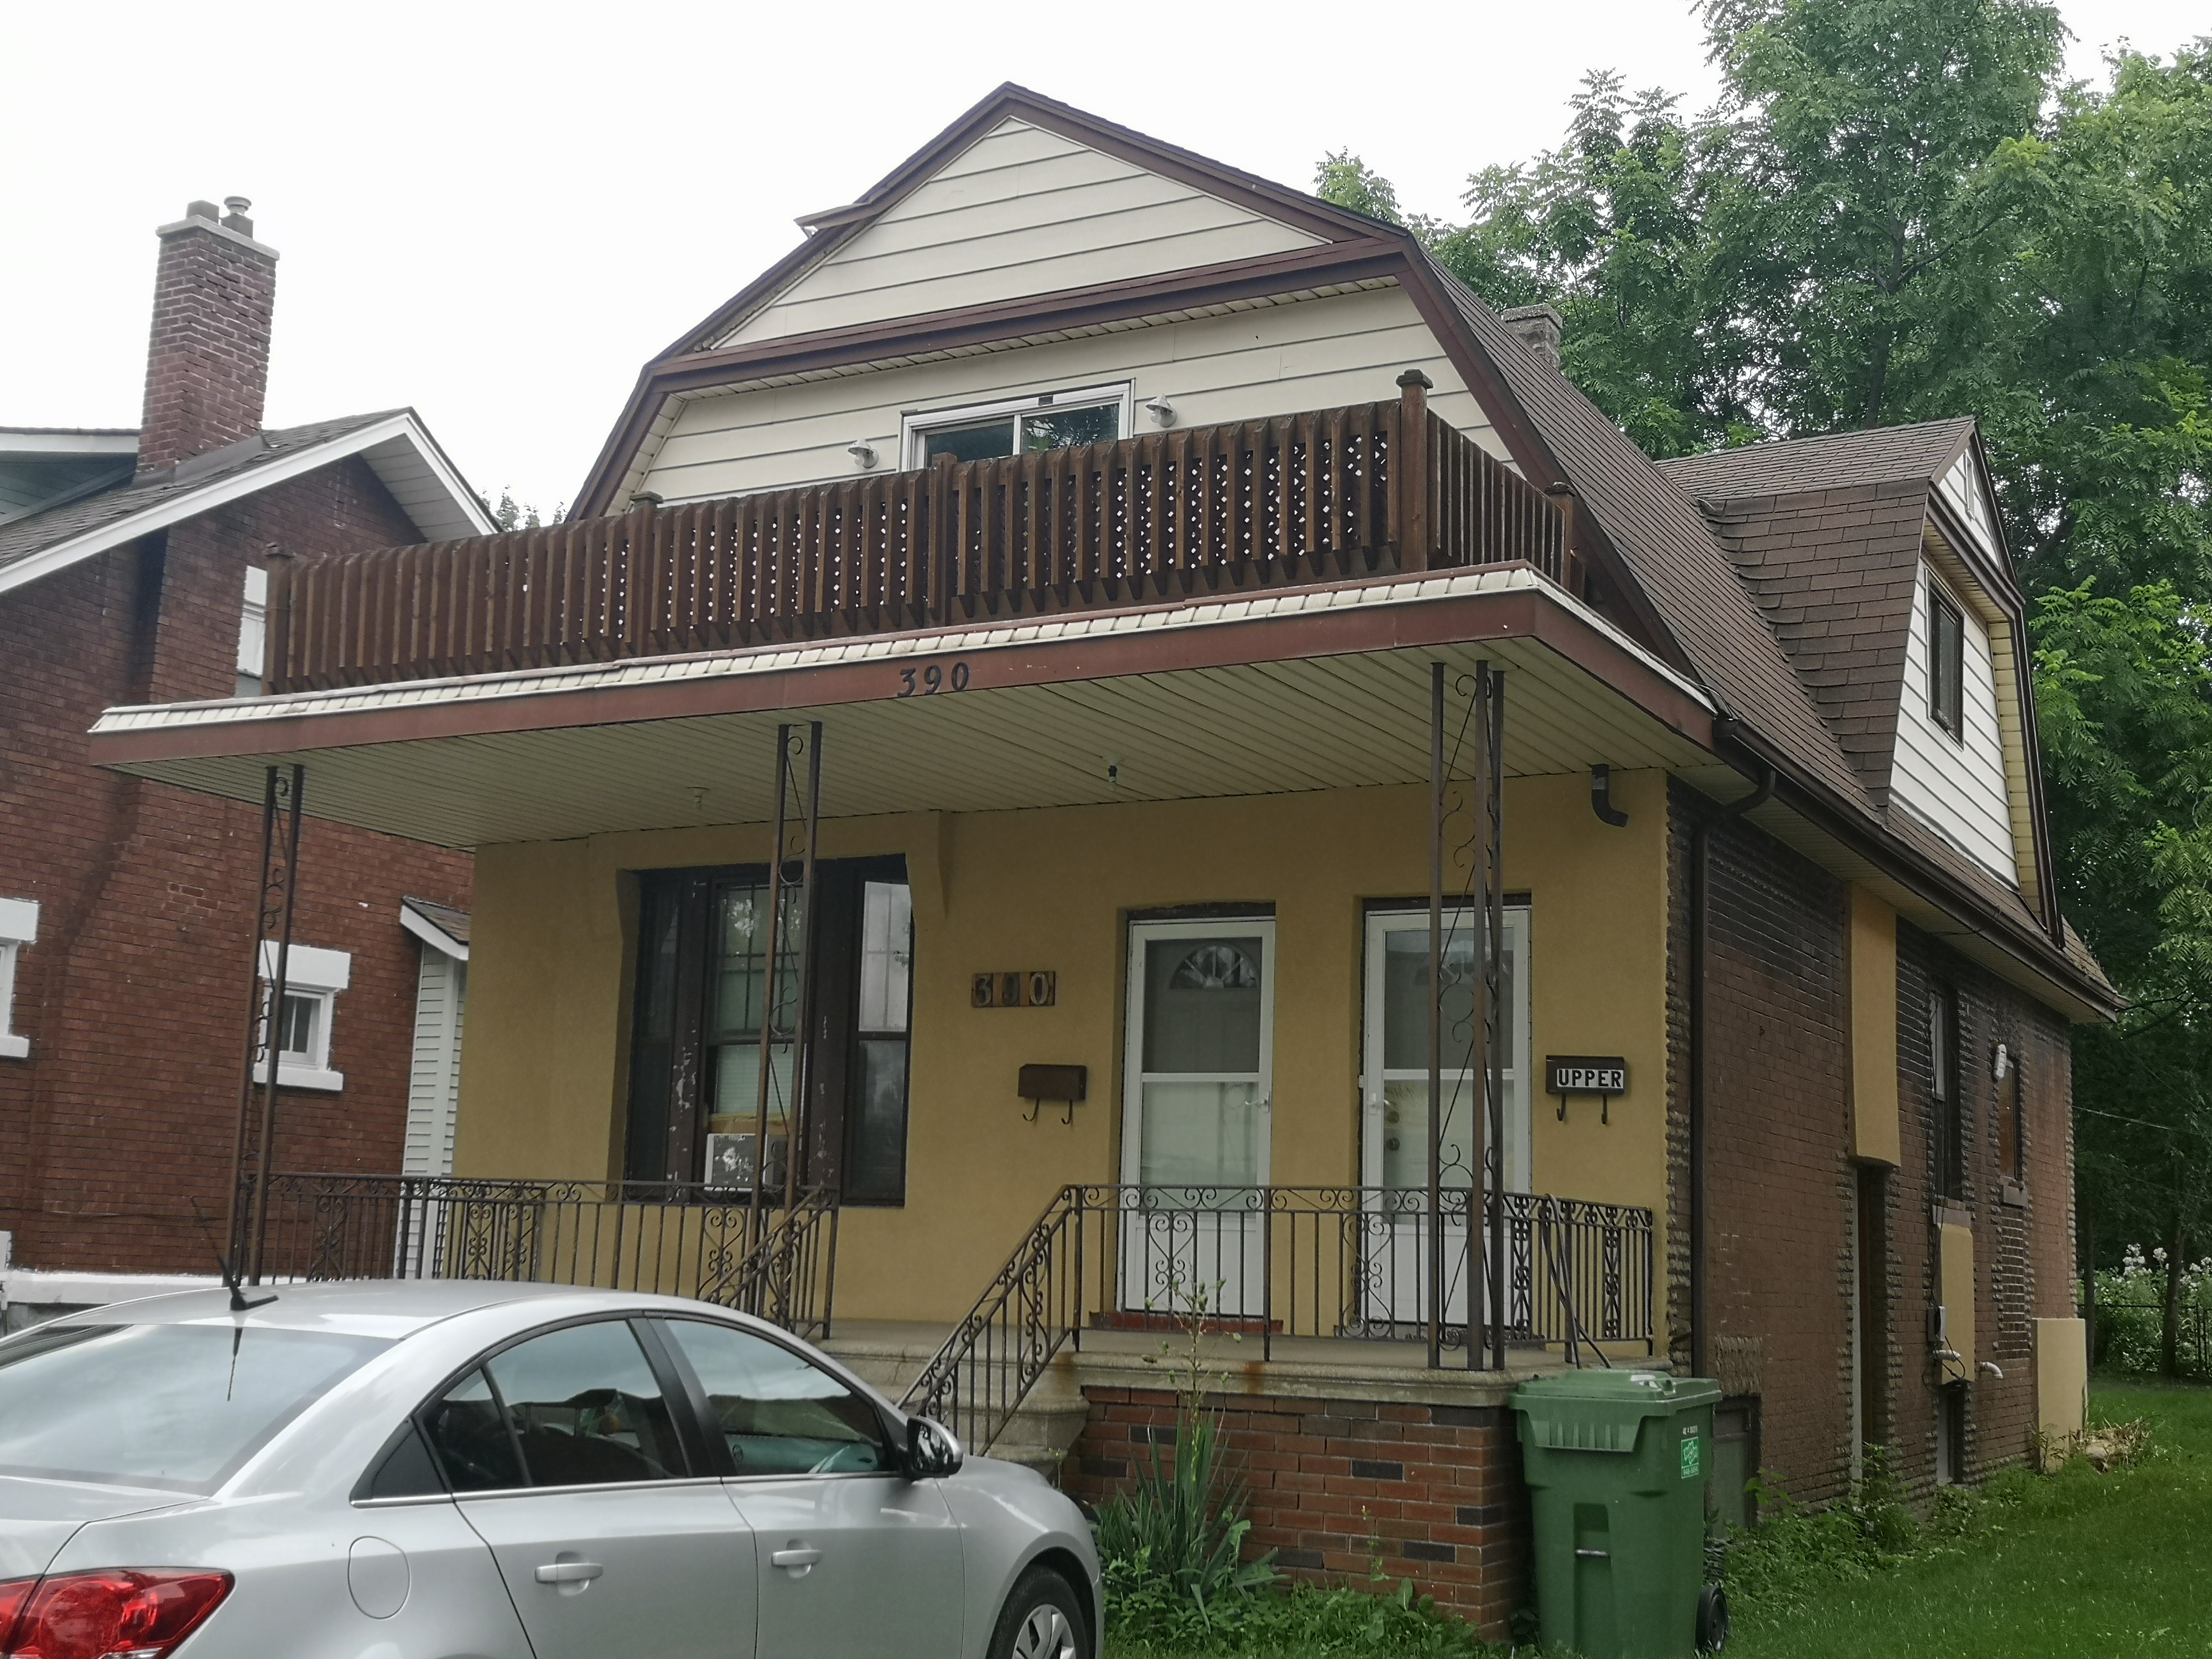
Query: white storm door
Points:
[1196, 1110]
[1394, 1096]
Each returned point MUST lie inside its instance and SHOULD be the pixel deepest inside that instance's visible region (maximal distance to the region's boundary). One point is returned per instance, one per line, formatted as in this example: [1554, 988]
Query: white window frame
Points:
[253, 633]
[916, 425]
[318, 975]
[18, 926]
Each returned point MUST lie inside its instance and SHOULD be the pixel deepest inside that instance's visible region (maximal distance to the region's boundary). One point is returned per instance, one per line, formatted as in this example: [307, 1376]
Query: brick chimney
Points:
[207, 367]
[1538, 327]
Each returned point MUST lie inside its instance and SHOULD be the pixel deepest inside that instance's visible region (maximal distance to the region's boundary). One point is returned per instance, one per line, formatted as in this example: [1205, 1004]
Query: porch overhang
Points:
[1287, 690]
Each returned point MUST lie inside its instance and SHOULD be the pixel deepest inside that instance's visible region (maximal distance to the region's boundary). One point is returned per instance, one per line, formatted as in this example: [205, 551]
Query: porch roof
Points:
[1285, 690]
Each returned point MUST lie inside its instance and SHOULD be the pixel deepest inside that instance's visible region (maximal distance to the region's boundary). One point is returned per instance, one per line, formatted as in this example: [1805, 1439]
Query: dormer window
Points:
[1020, 426]
[1947, 656]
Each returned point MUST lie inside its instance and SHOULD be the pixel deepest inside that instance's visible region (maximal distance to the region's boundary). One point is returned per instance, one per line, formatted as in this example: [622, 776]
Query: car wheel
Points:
[1042, 1619]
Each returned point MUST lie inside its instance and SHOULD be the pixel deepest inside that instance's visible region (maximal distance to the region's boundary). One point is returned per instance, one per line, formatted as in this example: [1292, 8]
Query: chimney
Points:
[1537, 327]
[207, 366]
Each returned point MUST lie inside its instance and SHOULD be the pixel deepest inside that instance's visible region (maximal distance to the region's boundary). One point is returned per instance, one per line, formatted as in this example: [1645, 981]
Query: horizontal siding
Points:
[1021, 212]
[1957, 787]
[1271, 360]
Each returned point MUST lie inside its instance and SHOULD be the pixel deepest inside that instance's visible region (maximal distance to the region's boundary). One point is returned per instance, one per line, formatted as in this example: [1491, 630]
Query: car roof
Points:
[385, 1308]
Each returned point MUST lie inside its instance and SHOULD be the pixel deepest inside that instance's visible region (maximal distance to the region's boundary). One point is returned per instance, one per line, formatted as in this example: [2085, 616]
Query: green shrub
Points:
[1169, 1550]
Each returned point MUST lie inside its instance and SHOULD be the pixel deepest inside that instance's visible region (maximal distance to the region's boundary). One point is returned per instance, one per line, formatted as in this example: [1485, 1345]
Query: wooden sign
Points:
[1028, 988]
[1602, 1075]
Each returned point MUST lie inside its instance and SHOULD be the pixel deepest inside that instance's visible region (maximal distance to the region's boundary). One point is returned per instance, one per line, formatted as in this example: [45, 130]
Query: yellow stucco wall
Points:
[542, 1080]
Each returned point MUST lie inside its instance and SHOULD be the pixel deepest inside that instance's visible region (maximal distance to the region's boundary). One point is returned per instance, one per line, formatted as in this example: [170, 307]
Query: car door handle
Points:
[798, 1560]
[569, 1572]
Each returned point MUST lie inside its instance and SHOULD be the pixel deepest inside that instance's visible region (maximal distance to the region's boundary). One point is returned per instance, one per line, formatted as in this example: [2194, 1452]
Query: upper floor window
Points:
[18, 926]
[1947, 660]
[1020, 426]
[253, 633]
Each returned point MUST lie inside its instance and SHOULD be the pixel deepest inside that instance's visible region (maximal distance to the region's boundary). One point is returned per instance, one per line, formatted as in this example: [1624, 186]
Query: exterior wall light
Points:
[863, 453]
[1160, 410]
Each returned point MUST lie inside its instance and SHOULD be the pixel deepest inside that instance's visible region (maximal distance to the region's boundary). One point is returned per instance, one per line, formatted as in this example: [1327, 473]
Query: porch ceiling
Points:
[1297, 690]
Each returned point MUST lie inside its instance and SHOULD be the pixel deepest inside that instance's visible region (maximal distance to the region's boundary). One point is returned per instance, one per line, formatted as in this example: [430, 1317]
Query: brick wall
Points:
[1779, 1188]
[134, 996]
[1434, 1489]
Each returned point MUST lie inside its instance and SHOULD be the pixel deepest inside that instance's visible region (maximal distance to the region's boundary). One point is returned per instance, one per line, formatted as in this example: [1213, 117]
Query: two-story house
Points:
[134, 567]
[1106, 732]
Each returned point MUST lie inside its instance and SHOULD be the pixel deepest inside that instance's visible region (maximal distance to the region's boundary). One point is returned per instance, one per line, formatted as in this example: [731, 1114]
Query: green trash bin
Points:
[1616, 1463]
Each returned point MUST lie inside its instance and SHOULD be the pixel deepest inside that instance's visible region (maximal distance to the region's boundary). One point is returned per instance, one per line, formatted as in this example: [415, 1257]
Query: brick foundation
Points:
[1436, 1489]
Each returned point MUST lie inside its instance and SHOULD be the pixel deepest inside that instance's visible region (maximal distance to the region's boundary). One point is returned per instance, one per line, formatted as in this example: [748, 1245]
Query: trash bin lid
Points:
[1603, 1410]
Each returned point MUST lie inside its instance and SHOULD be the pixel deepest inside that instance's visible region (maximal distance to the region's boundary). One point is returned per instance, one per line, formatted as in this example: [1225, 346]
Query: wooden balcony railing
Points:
[1327, 496]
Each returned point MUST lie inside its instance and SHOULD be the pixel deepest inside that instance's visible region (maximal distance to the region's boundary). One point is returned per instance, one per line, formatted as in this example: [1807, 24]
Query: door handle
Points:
[569, 1572]
[798, 1558]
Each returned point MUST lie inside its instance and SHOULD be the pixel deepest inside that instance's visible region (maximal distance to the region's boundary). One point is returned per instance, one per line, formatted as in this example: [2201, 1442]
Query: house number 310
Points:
[929, 681]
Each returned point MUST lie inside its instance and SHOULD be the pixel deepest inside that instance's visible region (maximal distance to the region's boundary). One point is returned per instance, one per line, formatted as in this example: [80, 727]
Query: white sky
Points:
[497, 213]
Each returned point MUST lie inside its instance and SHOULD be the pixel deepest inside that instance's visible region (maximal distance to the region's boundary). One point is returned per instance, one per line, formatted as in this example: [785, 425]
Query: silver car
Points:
[434, 1470]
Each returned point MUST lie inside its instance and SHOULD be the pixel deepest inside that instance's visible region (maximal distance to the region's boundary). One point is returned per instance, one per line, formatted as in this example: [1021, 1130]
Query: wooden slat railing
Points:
[1327, 495]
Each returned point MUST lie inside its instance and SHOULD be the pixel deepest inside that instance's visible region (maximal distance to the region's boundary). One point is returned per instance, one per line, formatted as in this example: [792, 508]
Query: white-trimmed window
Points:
[18, 926]
[312, 980]
[253, 633]
[1017, 425]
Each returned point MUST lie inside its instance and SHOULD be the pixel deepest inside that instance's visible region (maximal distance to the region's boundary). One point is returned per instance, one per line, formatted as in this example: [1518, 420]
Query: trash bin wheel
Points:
[1712, 1619]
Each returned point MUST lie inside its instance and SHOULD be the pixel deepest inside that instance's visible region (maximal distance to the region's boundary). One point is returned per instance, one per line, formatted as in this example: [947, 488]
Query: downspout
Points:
[1700, 842]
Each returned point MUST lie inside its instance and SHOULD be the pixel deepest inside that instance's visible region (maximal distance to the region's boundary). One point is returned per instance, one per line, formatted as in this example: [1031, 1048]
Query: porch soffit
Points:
[1300, 690]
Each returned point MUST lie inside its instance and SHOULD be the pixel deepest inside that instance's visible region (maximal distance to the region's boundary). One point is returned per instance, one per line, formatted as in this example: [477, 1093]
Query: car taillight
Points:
[13, 1595]
[119, 1613]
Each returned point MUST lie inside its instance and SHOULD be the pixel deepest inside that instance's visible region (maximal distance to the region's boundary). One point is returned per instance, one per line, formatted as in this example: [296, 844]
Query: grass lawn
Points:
[2079, 1564]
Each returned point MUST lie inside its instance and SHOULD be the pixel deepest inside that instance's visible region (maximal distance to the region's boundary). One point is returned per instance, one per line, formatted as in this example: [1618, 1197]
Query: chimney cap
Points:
[238, 205]
[207, 211]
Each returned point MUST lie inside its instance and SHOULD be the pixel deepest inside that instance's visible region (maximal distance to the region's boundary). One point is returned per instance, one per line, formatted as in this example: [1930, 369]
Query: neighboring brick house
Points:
[132, 567]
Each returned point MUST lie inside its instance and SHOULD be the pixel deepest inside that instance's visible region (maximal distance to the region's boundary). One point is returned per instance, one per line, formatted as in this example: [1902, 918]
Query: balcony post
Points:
[939, 595]
[1409, 461]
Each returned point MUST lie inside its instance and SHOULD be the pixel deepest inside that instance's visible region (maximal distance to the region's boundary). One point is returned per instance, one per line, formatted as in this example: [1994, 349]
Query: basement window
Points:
[18, 926]
[1946, 658]
[1020, 426]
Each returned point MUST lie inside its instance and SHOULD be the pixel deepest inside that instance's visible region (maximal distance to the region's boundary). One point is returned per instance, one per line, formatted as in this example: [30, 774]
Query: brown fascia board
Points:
[1848, 823]
[1240, 279]
[1524, 613]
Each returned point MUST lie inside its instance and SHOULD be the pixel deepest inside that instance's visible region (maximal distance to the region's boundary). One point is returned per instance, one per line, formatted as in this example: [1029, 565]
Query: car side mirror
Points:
[933, 1451]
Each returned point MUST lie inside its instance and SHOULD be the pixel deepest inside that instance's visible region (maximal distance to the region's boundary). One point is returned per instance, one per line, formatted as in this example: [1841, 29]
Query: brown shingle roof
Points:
[1833, 460]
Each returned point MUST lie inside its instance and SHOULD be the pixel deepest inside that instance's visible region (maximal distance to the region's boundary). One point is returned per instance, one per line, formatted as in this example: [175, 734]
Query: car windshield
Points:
[175, 1407]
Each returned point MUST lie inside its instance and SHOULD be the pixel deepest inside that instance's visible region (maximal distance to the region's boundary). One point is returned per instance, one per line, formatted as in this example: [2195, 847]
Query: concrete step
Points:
[1043, 1428]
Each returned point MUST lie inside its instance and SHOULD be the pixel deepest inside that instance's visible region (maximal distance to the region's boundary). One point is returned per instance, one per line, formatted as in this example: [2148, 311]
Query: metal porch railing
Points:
[1272, 1262]
[1325, 495]
[671, 1238]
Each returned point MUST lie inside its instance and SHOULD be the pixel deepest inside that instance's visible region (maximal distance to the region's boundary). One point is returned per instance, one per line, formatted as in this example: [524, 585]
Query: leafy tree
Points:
[511, 515]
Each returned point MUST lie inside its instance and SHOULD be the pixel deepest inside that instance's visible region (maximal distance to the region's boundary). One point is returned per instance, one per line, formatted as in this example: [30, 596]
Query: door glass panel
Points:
[469, 1436]
[986, 440]
[586, 1408]
[1398, 1074]
[1202, 1005]
[1206, 1134]
[740, 988]
[779, 1413]
[886, 954]
[1058, 429]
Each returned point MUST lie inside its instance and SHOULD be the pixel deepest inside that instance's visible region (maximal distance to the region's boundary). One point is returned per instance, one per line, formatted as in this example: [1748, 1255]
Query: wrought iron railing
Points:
[1275, 1262]
[1324, 496]
[676, 1239]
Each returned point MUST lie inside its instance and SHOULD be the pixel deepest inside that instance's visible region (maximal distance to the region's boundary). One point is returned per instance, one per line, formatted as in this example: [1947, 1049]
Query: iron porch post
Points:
[767, 996]
[1433, 1242]
[799, 1113]
[1493, 854]
[273, 1000]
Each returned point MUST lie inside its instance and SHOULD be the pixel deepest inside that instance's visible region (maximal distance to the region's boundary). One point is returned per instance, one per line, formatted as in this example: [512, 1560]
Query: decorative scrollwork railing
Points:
[1275, 1262]
[669, 1238]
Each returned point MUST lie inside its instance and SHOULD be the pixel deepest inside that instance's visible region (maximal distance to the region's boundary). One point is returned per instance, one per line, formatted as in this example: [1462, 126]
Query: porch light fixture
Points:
[862, 452]
[1160, 410]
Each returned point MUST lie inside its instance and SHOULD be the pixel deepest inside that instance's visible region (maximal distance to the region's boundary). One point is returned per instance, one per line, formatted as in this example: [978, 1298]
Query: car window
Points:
[468, 1432]
[174, 1407]
[779, 1413]
[585, 1408]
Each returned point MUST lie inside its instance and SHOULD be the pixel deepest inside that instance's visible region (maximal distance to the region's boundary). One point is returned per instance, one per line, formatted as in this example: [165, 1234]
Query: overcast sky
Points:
[497, 213]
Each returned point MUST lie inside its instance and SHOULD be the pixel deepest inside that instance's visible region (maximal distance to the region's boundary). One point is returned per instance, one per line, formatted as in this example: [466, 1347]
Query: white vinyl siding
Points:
[1963, 491]
[1020, 212]
[1245, 365]
[1957, 786]
[433, 1083]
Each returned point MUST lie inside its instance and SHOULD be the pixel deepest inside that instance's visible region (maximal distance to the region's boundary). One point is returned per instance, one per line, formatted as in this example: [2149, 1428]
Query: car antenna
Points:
[239, 1302]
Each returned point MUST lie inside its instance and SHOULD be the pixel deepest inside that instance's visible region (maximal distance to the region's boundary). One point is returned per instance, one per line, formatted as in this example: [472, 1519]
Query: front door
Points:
[1395, 1090]
[1200, 1075]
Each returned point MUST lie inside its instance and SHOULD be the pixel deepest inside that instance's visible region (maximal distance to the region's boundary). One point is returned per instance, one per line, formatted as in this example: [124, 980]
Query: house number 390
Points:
[929, 681]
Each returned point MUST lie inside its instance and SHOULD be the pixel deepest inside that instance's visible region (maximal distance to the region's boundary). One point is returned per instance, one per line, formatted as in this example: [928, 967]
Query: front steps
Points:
[1045, 1425]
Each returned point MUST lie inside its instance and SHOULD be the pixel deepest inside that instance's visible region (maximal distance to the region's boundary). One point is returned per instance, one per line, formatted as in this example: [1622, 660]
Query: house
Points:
[133, 567]
[1106, 734]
